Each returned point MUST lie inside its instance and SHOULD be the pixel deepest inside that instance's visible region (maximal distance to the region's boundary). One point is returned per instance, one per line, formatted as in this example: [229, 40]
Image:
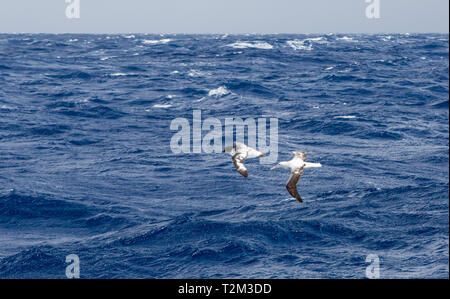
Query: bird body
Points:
[296, 167]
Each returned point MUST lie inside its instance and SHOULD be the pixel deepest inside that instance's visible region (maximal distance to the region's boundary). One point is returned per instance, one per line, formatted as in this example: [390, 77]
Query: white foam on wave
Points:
[319, 40]
[162, 106]
[346, 117]
[306, 44]
[83, 101]
[387, 38]
[118, 74]
[218, 92]
[346, 70]
[156, 41]
[129, 36]
[346, 39]
[288, 199]
[107, 58]
[255, 45]
[299, 45]
[200, 100]
[195, 73]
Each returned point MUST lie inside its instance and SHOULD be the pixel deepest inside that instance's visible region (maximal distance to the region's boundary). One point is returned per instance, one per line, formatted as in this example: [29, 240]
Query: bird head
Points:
[280, 165]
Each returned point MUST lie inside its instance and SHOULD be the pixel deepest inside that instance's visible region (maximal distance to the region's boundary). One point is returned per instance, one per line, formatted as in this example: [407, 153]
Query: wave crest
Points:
[254, 45]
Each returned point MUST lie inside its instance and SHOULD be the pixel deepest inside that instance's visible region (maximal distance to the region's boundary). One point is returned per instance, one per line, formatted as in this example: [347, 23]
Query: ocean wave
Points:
[319, 40]
[284, 232]
[251, 45]
[19, 207]
[307, 43]
[6, 107]
[249, 87]
[157, 41]
[346, 39]
[218, 92]
[300, 45]
[346, 117]
[99, 111]
[49, 130]
[32, 263]
[118, 74]
[72, 75]
[197, 73]
[387, 38]
[162, 106]
[106, 58]
[441, 105]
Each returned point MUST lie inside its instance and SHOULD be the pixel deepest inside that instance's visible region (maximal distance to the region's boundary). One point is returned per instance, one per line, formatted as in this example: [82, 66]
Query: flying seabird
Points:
[239, 153]
[296, 166]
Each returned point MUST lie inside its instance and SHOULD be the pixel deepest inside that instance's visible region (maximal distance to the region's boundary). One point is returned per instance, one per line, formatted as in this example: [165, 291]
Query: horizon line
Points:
[223, 33]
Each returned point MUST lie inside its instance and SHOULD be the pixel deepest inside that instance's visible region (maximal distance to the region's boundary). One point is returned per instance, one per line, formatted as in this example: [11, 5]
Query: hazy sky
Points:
[224, 16]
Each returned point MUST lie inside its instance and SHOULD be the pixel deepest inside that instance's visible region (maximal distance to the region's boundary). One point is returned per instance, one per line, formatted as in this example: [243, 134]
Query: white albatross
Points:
[239, 153]
[296, 166]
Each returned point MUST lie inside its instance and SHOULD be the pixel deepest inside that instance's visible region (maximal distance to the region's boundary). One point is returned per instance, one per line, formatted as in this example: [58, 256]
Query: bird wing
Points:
[239, 147]
[300, 155]
[291, 185]
[238, 161]
[228, 149]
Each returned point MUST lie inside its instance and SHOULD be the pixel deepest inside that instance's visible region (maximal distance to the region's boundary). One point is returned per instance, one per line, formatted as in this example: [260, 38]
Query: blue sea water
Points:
[86, 167]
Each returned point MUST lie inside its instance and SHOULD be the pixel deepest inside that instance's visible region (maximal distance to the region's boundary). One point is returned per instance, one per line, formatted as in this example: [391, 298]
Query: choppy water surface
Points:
[86, 167]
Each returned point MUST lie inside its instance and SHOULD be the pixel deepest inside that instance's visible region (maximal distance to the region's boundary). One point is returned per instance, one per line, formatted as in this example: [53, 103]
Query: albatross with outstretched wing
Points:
[239, 153]
[296, 166]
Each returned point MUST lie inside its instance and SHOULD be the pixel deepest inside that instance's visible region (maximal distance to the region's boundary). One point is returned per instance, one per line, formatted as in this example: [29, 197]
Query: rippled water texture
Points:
[86, 167]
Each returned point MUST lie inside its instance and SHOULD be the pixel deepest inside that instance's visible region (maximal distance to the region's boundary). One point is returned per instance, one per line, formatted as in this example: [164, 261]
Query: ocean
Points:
[86, 166]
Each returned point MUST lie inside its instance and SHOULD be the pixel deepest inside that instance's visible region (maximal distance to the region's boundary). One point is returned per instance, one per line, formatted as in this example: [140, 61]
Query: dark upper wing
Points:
[292, 184]
[238, 161]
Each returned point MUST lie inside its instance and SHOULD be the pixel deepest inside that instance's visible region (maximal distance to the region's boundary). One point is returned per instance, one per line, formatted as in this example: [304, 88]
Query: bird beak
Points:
[273, 168]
